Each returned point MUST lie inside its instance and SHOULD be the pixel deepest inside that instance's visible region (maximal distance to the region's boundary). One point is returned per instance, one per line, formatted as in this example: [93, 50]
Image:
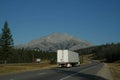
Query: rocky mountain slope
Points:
[56, 41]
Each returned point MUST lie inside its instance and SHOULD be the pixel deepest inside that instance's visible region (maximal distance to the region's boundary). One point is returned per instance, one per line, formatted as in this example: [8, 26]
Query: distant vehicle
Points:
[66, 58]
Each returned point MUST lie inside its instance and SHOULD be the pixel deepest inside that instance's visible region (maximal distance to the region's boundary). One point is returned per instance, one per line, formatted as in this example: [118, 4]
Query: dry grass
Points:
[115, 70]
[13, 68]
[86, 59]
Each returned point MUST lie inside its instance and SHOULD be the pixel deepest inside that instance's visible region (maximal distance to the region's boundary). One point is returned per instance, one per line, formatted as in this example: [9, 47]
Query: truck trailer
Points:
[66, 58]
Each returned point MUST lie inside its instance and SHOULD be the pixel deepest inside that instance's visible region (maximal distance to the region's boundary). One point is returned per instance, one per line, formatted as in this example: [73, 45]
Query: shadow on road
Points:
[78, 76]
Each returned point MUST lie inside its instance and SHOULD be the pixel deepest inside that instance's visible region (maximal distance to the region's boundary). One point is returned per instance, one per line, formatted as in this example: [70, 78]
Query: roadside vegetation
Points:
[106, 53]
[17, 60]
[8, 54]
[22, 67]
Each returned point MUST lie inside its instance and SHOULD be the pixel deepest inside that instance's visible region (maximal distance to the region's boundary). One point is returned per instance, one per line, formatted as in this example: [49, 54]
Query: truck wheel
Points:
[69, 65]
[59, 66]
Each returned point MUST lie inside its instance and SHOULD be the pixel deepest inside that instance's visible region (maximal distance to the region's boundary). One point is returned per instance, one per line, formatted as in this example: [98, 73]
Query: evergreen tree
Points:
[7, 42]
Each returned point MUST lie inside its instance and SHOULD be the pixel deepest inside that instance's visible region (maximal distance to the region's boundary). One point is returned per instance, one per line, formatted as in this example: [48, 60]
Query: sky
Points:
[97, 21]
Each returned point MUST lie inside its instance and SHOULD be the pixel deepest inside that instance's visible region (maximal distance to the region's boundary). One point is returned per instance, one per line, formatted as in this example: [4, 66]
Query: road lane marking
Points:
[41, 73]
[77, 73]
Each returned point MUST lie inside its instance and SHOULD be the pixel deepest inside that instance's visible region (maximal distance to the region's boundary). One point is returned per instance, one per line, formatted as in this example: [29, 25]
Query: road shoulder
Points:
[105, 72]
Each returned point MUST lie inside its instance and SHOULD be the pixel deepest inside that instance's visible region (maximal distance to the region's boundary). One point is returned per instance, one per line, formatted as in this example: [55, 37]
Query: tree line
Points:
[8, 54]
[107, 52]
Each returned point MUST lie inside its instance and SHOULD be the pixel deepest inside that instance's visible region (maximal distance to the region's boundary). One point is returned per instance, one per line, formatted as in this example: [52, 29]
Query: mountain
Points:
[56, 41]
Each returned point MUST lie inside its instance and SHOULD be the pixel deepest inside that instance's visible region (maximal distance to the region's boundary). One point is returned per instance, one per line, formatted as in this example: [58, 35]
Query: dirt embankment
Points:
[110, 71]
[105, 72]
[115, 70]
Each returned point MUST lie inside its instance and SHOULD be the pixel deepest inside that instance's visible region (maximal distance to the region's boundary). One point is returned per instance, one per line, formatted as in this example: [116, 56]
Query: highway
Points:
[83, 72]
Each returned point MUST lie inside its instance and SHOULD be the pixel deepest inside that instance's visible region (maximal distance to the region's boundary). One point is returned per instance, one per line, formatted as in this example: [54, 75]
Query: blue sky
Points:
[97, 21]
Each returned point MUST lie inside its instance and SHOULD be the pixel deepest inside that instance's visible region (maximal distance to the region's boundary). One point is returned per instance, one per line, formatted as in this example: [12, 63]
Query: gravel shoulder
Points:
[105, 72]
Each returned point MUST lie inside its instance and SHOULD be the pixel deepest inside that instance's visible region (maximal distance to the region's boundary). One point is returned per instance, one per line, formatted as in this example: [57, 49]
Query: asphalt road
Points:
[84, 72]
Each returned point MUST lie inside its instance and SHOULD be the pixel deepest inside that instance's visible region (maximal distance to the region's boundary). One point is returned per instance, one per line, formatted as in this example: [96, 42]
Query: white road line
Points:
[41, 73]
[12, 79]
[76, 73]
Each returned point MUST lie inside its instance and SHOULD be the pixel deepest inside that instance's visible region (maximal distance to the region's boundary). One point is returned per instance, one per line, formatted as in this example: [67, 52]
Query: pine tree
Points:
[7, 42]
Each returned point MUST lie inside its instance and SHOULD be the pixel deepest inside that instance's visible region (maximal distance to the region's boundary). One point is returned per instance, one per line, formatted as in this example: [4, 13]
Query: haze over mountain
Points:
[56, 41]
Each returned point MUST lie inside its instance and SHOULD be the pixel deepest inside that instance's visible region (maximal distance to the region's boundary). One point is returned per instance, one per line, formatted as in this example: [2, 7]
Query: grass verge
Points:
[15, 68]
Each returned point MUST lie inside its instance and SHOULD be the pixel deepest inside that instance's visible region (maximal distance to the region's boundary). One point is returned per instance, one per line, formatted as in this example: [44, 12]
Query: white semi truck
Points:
[66, 58]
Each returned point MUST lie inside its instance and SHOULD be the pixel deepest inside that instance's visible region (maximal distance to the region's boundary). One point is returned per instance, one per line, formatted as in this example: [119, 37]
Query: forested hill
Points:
[107, 52]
